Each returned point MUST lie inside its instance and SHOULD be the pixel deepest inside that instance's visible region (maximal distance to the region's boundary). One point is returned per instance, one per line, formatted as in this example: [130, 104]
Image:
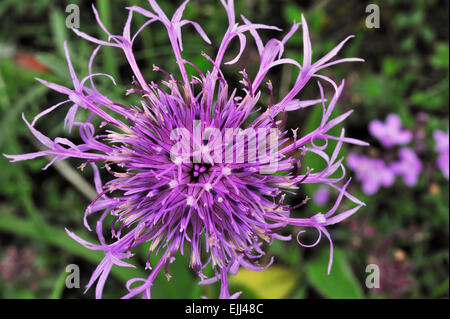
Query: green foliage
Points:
[340, 284]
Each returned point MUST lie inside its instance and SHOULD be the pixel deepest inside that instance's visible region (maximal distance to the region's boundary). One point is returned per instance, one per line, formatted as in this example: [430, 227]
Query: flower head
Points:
[322, 195]
[191, 170]
[442, 141]
[371, 172]
[409, 166]
[390, 133]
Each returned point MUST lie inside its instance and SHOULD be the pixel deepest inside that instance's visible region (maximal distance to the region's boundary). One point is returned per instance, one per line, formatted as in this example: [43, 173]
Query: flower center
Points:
[197, 170]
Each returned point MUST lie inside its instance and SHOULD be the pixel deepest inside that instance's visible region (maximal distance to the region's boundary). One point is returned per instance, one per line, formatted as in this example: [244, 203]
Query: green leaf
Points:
[440, 58]
[57, 65]
[109, 54]
[433, 98]
[292, 12]
[273, 283]
[4, 99]
[340, 284]
[11, 117]
[59, 30]
[59, 286]
[391, 65]
[316, 20]
[24, 294]
[181, 283]
[441, 290]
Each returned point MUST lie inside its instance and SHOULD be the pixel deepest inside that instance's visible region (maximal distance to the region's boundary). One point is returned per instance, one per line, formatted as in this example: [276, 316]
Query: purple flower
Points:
[442, 141]
[371, 172]
[173, 182]
[322, 195]
[409, 166]
[390, 133]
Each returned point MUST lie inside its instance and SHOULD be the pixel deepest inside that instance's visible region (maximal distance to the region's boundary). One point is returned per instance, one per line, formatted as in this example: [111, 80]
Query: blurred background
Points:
[404, 229]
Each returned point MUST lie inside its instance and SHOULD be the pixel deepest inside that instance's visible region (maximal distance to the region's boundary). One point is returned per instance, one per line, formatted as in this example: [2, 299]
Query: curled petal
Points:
[242, 41]
[310, 245]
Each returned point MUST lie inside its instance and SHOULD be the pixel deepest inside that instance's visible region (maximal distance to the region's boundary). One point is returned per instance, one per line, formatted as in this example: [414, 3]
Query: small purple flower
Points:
[442, 147]
[371, 172]
[409, 166]
[322, 195]
[390, 133]
[174, 190]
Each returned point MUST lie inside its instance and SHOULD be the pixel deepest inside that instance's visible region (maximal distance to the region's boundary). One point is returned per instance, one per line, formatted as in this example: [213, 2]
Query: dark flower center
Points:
[197, 170]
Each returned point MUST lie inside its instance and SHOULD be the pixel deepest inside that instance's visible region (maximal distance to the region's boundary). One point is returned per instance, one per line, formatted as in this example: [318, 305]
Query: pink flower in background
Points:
[371, 172]
[442, 140]
[409, 166]
[321, 196]
[390, 133]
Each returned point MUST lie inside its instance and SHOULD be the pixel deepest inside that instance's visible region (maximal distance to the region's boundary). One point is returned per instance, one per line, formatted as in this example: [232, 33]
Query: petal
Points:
[307, 50]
